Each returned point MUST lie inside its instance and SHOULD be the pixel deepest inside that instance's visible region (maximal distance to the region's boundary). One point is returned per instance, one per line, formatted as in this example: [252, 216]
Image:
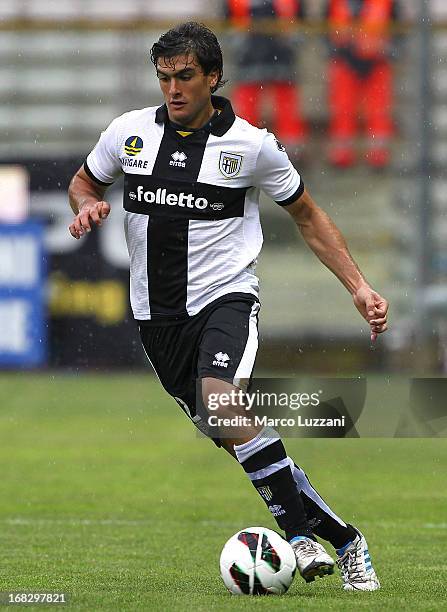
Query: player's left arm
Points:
[328, 243]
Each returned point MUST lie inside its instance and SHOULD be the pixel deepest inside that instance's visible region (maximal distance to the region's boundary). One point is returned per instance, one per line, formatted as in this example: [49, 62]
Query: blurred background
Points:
[354, 89]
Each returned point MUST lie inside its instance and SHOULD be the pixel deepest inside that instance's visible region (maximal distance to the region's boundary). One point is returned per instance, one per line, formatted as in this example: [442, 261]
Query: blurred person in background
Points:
[266, 64]
[360, 78]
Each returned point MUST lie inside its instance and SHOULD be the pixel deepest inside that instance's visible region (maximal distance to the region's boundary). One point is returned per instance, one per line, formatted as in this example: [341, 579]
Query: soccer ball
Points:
[257, 561]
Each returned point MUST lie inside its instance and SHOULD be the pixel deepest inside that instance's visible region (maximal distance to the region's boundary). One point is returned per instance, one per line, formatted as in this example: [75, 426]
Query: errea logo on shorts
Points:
[161, 196]
[221, 360]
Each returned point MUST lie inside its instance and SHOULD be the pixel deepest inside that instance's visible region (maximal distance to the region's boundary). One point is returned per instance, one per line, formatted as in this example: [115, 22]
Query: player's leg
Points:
[231, 331]
[262, 455]
[321, 518]
[227, 349]
[353, 556]
[325, 523]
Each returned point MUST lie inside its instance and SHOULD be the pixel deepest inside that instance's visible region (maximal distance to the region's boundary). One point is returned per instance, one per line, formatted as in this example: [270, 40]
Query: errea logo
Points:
[178, 159]
[221, 359]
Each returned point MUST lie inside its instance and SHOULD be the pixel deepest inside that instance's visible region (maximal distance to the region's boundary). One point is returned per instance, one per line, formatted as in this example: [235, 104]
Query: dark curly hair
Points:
[191, 38]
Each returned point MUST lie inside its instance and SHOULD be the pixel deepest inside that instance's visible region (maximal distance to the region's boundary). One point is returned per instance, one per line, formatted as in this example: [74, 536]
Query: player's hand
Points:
[89, 214]
[373, 307]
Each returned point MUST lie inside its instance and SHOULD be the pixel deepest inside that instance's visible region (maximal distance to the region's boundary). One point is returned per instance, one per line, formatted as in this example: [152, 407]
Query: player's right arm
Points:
[87, 203]
[88, 186]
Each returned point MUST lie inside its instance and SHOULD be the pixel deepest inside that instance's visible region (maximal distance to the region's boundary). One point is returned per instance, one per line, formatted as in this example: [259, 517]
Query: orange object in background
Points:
[360, 79]
[348, 92]
[287, 122]
[265, 68]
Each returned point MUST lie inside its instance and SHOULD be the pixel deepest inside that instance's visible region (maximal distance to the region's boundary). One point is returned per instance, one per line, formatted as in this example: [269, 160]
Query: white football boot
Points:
[311, 558]
[356, 568]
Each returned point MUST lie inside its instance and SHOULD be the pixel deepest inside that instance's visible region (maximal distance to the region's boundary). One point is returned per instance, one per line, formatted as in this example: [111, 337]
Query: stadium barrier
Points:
[23, 330]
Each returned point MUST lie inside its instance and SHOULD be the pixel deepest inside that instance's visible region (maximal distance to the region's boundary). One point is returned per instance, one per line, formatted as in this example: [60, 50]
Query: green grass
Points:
[107, 494]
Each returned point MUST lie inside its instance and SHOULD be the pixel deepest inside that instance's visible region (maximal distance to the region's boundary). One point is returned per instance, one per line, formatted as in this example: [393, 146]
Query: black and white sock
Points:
[265, 461]
[323, 521]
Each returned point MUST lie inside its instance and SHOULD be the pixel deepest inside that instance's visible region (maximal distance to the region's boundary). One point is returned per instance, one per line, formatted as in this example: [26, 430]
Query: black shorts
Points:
[221, 342]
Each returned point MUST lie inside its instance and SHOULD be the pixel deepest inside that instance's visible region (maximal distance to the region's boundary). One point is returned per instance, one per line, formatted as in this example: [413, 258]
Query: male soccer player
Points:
[192, 174]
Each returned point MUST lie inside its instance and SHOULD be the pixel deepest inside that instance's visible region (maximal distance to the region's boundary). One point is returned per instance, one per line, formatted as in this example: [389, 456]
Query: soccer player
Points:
[192, 175]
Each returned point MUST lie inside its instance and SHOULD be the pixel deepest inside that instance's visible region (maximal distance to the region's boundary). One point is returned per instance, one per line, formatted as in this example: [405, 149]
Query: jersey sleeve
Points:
[103, 164]
[275, 174]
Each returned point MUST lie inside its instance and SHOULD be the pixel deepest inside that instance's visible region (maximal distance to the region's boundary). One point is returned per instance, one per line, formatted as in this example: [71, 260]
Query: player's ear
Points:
[214, 78]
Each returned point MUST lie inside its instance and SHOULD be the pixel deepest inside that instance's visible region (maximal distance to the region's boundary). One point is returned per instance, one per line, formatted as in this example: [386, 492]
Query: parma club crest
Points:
[230, 164]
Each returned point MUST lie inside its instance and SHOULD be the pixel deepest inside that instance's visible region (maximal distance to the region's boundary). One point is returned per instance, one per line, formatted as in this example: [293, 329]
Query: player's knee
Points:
[222, 398]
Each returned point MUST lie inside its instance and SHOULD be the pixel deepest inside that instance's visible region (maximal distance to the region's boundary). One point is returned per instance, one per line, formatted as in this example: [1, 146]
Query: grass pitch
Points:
[108, 495]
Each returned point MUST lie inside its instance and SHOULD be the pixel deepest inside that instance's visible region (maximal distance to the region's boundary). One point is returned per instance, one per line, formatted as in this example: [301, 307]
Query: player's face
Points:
[186, 90]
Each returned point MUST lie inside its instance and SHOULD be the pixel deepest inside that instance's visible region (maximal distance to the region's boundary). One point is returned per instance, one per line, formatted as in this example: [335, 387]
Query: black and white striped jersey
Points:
[191, 200]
